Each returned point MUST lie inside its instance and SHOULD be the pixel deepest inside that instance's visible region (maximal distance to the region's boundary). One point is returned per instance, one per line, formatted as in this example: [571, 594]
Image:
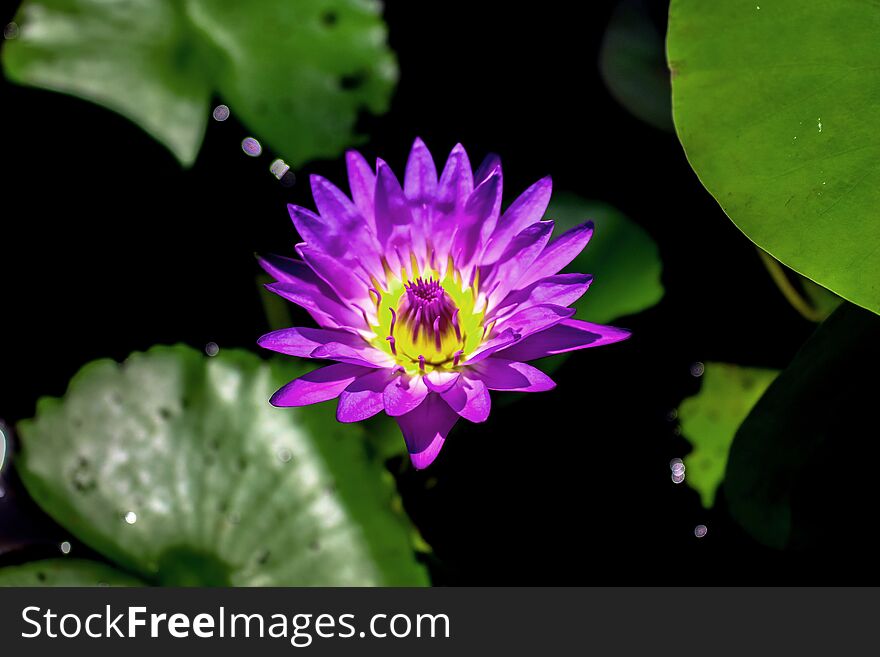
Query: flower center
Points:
[427, 323]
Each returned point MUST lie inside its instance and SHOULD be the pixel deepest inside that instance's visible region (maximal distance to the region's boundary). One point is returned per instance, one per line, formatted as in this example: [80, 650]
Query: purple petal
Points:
[478, 219]
[500, 374]
[363, 397]
[425, 429]
[535, 319]
[438, 381]
[344, 281]
[559, 290]
[299, 284]
[420, 180]
[501, 341]
[318, 385]
[456, 181]
[517, 260]
[469, 397]
[403, 394]
[487, 167]
[568, 335]
[394, 219]
[526, 210]
[365, 355]
[323, 306]
[302, 341]
[559, 253]
[362, 182]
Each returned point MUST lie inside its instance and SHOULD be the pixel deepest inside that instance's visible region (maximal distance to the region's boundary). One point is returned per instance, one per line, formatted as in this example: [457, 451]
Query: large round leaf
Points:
[777, 105]
[709, 421]
[621, 256]
[175, 466]
[65, 572]
[802, 467]
[295, 71]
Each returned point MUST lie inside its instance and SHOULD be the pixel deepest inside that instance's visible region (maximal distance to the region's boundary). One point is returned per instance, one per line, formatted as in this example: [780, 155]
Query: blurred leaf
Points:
[776, 104]
[632, 61]
[175, 466]
[64, 572]
[621, 256]
[710, 419]
[296, 72]
[808, 447]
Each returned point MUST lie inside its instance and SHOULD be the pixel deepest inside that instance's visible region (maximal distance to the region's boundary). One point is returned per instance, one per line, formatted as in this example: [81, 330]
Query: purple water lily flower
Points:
[427, 295]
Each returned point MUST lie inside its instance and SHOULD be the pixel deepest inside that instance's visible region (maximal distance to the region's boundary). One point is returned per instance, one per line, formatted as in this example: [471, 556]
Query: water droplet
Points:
[700, 531]
[220, 113]
[697, 369]
[65, 547]
[251, 147]
[678, 469]
[131, 517]
[820, 124]
[757, 7]
[11, 31]
[212, 349]
[677, 478]
[675, 462]
[281, 170]
[284, 455]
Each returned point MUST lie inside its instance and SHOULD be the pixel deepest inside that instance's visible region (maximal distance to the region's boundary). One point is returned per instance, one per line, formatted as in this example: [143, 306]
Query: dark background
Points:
[108, 246]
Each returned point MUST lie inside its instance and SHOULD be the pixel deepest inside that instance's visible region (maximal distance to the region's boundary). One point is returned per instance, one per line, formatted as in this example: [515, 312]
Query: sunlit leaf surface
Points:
[175, 467]
[776, 105]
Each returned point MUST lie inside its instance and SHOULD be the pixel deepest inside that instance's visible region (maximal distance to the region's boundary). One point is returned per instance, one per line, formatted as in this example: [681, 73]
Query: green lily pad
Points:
[710, 418]
[174, 466]
[296, 72]
[802, 467]
[65, 572]
[621, 256]
[632, 61]
[776, 105]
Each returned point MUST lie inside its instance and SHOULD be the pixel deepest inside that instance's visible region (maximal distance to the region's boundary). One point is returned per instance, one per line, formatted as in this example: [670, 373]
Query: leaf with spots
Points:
[65, 572]
[709, 421]
[775, 104]
[295, 72]
[174, 466]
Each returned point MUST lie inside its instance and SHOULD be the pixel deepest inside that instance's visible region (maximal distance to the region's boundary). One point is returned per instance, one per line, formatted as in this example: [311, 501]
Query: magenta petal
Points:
[501, 341]
[318, 385]
[568, 335]
[559, 290]
[362, 182]
[526, 210]
[347, 285]
[516, 262]
[420, 179]
[403, 394]
[425, 429]
[488, 166]
[456, 181]
[302, 341]
[438, 381]
[559, 253]
[363, 397]
[360, 355]
[534, 319]
[469, 397]
[328, 312]
[500, 374]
